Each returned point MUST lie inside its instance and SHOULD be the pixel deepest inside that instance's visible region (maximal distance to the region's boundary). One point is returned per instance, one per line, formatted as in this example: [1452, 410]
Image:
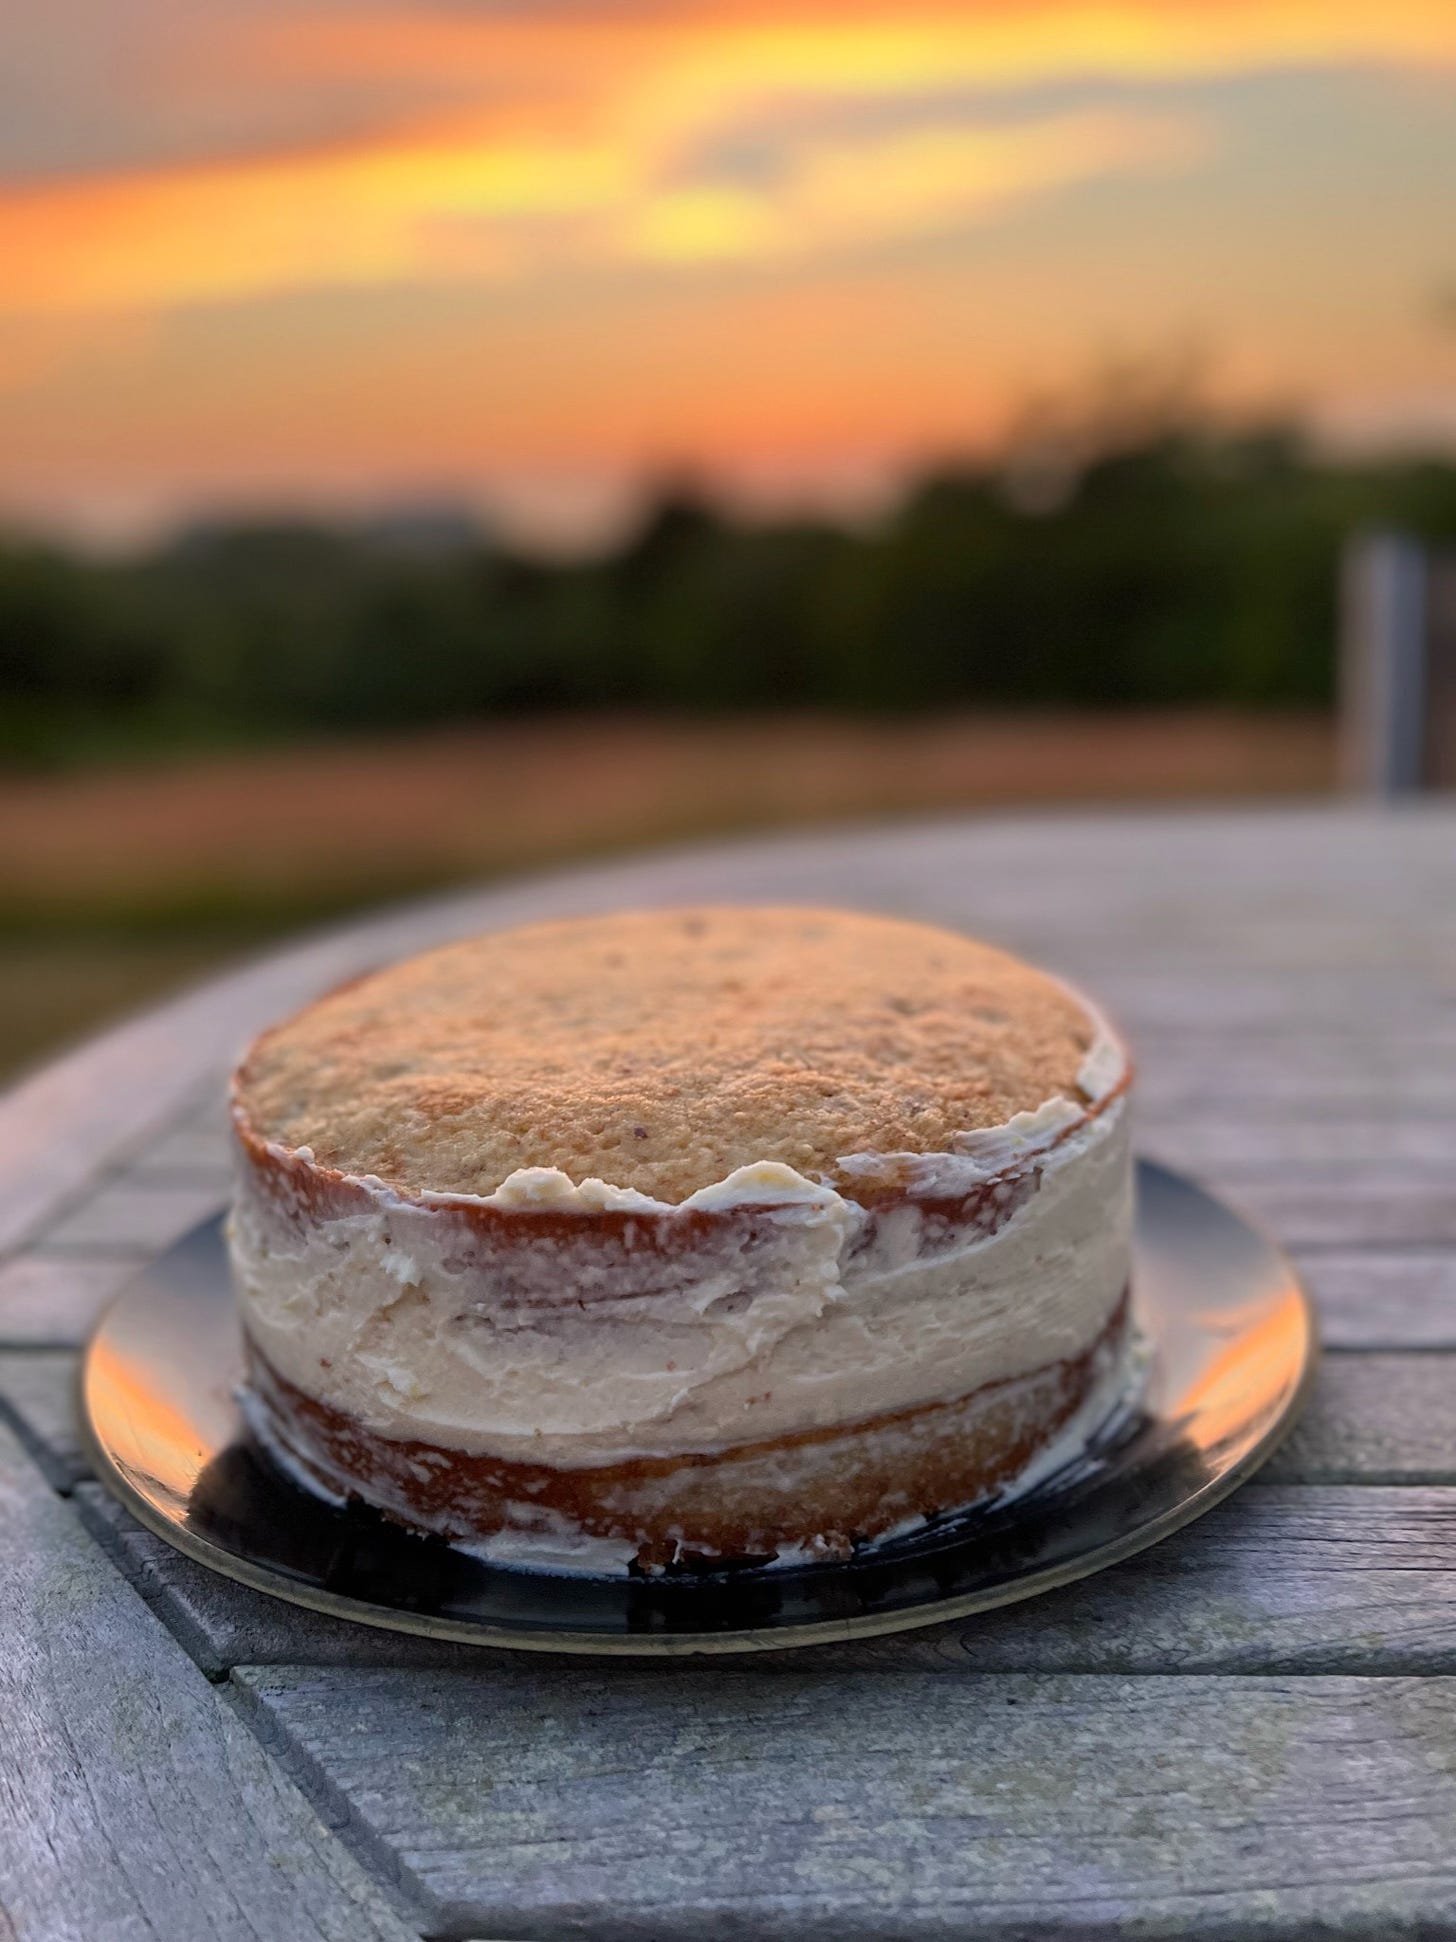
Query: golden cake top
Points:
[662, 1050]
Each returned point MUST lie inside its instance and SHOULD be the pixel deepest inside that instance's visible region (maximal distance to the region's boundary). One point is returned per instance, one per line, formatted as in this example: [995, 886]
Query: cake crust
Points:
[662, 1051]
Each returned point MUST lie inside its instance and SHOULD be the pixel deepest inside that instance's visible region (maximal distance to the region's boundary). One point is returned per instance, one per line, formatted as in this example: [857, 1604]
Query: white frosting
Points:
[1103, 1067]
[766, 1183]
[805, 1314]
[976, 1157]
[563, 1551]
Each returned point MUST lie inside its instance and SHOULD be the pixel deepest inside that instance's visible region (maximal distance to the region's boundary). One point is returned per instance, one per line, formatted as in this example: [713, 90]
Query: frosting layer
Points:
[573, 1324]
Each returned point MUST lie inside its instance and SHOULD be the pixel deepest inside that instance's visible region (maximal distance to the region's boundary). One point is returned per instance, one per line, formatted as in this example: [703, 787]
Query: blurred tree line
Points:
[1169, 566]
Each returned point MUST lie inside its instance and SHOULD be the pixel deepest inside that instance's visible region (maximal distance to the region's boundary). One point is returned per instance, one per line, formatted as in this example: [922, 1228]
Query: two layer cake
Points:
[689, 1237]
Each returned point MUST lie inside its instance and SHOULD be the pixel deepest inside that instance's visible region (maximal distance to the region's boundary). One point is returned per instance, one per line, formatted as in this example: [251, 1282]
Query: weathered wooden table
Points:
[1250, 1731]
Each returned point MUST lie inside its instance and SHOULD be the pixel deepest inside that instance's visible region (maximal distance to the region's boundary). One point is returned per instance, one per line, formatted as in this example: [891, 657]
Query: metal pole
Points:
[1383, 618]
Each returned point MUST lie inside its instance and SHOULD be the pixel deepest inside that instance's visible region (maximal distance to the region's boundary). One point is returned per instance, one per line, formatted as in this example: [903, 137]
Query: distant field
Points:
[116, 884]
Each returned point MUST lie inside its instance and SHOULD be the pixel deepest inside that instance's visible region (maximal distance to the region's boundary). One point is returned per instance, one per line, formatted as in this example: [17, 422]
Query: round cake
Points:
[684, 1238]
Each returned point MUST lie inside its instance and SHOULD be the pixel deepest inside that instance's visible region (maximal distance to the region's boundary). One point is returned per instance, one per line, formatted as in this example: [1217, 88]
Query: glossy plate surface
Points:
[1232, 1349]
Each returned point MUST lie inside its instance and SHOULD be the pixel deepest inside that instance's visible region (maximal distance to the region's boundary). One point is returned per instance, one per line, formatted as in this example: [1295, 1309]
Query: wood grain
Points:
[133, 1803]
[38, 1399]
[1374, 1419]
[188, 1155]
[649, 1802]
[1193, 1083]
[131, 1216]
[1397, 1298]
[1284, 1578]
[1239, 1142]
[52, 1300]
[1358, 1208]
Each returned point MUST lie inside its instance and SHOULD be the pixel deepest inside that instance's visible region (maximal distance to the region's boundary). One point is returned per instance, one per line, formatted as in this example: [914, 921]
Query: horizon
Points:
[333, 257]
[403, 520]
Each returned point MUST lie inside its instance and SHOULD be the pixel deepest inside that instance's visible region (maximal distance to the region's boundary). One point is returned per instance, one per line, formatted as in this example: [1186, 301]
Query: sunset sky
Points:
[260, 253]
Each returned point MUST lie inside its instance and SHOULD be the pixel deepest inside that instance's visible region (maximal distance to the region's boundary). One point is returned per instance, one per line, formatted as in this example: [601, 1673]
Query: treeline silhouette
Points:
[1178, 567]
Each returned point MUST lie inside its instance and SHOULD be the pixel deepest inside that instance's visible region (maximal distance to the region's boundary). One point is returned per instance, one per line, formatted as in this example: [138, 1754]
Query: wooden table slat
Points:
[48, 1300]
[131, 1217]
[1397, 1298]
[135, 1804]
[1289, 1578]
[38, 1398]
[1347, 1147]
[637, 1802]
[1361, 1209]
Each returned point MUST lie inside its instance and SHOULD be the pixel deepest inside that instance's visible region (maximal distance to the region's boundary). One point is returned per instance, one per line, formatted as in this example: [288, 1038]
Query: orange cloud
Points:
[824, 46]
[692, 64]
[583, 143]
[355, 215]
[444, 207]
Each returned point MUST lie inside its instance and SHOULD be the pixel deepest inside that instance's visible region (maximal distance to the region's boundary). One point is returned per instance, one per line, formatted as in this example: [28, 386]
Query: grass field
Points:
[116, 885]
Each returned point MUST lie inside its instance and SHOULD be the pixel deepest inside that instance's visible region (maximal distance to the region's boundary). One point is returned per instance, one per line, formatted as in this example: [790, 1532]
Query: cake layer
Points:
[801, 1497]
[664, 1050]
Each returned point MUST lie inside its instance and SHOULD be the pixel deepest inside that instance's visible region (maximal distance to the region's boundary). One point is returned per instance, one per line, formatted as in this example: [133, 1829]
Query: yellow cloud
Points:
[708, 224]
[441, 208]
[846, 194]
[342, 217]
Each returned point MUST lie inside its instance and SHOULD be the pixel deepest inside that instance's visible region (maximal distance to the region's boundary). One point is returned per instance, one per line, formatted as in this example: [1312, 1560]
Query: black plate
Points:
[1232, 1344]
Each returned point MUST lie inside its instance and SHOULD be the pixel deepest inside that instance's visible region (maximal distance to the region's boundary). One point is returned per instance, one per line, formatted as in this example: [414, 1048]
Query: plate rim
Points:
[1032, 1584]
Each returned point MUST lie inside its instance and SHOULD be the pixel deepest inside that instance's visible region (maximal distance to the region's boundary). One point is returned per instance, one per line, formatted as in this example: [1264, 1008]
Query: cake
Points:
[691, 1238]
